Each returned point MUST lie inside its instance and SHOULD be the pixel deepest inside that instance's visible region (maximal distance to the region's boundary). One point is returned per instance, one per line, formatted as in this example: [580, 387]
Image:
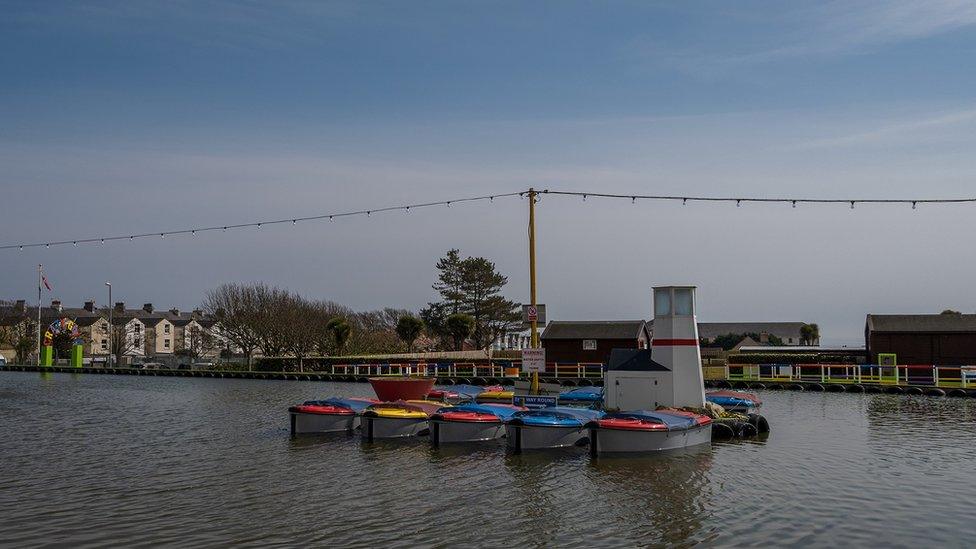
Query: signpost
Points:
[533, 313]
[533, 361]
[532, 401]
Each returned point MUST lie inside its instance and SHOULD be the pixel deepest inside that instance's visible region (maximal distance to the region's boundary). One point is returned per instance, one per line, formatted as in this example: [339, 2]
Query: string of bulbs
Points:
[684, 199]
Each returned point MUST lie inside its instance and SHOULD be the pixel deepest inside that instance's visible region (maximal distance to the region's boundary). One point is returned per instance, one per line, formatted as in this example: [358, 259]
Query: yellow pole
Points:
[534, 387]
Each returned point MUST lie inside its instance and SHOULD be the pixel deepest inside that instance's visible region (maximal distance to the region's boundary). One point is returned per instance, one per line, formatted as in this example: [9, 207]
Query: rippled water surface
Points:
[116, 460]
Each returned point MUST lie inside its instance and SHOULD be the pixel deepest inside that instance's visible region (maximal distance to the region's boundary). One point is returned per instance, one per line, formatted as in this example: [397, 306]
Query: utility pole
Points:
[534, 387]
[110, 325]
[40, 278]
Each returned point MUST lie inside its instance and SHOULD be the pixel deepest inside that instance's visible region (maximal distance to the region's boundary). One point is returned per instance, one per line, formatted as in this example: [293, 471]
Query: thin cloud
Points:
[837, 28]
[914, 129]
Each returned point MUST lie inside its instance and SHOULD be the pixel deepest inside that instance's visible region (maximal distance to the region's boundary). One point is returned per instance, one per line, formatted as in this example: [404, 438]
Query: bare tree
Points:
[303, 319]
[124, 339]
[270, 321]
[234, 307]
[197, 341]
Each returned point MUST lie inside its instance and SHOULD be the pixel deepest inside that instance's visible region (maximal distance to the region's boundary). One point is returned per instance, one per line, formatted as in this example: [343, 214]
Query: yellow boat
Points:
[403, 418]
[495, 396]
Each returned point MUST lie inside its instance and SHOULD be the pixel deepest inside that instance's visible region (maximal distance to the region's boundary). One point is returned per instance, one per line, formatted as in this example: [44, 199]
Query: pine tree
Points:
[450, 279]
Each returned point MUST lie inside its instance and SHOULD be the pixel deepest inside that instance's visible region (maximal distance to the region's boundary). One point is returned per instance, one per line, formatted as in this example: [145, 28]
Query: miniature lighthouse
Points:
[675, 343]
[670, 373]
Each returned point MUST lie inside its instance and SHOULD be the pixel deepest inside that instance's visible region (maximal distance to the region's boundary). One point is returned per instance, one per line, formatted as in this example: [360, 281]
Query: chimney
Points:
[763, 337]
[20, 306]
[174, 311]
[90, 306]
[120, 306]
[147, 307]
[56, 304]
[197, 312]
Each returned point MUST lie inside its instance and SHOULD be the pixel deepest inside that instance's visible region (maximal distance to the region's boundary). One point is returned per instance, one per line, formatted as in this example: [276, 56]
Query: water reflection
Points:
[663, 497]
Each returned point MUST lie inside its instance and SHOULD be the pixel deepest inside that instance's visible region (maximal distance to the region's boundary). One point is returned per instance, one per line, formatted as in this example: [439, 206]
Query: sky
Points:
[138, 116]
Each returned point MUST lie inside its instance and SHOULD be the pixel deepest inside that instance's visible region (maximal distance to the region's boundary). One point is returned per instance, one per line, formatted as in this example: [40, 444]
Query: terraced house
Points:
[138, 333]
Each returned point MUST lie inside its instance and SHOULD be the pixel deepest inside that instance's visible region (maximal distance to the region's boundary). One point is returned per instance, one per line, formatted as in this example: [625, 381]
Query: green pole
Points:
[77, 352]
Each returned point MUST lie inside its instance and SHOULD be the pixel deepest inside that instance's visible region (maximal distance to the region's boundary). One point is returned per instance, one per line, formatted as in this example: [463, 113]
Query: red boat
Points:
[471, 422]
[327, 416]
[649, 431]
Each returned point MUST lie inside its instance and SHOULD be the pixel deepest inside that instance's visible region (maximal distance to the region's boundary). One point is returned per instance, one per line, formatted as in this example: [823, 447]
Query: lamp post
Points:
[110, 325]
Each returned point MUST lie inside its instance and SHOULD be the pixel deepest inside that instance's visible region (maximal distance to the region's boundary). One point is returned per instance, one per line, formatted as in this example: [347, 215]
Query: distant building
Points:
[592, 341]
[788, 332]
[944, 339]
[148, 333]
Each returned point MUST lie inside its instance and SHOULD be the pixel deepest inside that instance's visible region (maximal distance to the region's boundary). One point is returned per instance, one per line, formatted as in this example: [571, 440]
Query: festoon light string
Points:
[684, 199]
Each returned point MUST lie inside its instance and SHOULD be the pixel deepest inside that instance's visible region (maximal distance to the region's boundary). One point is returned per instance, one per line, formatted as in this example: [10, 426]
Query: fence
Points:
[962, 376]
[465, 370]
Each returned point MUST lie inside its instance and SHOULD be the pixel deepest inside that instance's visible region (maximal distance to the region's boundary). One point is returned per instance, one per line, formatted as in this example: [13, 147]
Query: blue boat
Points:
[582, 395]
[554, 427]
[735, 401]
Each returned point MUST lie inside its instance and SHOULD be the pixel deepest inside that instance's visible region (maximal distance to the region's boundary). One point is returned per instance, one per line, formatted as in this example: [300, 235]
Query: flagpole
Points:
[39, 278]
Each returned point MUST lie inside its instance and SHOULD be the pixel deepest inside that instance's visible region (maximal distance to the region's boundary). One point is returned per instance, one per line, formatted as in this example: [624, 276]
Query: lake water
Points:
[115, 460]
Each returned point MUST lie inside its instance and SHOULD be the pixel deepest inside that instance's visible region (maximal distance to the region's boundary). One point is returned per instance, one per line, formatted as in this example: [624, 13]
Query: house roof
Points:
[922, 323]
[586, 329]
[634, 360]
[711, 330]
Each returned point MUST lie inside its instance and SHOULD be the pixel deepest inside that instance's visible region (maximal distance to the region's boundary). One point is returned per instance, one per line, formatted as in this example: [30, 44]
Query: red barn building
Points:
[945, 339]
[571, 342]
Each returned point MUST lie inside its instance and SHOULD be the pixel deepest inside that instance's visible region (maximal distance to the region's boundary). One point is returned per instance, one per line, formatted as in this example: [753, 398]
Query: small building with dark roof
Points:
[788, 332]
[943, 339]
[571, 342]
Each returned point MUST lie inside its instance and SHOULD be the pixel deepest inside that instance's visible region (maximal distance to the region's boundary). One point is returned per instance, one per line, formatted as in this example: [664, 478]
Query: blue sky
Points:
[126, 117]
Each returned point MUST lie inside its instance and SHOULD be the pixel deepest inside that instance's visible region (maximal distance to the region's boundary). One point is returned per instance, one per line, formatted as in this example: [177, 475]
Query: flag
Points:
[44, 280]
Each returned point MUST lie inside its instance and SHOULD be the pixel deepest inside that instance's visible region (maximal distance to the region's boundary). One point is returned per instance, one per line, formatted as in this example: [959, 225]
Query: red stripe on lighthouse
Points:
[674, 342]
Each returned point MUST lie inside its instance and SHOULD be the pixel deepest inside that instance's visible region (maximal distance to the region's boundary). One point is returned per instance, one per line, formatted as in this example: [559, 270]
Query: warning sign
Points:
[533, 360]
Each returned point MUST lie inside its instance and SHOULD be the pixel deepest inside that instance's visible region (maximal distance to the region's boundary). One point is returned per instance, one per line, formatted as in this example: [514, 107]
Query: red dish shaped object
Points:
[321, 410]
[390, 389]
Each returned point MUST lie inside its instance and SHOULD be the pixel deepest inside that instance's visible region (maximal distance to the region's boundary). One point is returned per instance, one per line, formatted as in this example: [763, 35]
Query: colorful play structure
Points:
[59, 327]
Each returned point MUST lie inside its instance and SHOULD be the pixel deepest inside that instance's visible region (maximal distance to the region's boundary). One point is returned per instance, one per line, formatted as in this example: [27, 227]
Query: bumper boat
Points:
[735, 401]
[470, 422]
[458, 393]
[649, 431]
[331, 415]
[555, 427]
[398, 419]
[582, 396]
[494, 394]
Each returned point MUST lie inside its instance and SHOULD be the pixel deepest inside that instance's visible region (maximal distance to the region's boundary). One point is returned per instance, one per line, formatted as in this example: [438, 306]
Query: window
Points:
[791, 341]
[589, 344]
[138, 328]
[165, 344]
[104, 344]
[166, 328]
[662, 301]
[136, 342]
[683, 301]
